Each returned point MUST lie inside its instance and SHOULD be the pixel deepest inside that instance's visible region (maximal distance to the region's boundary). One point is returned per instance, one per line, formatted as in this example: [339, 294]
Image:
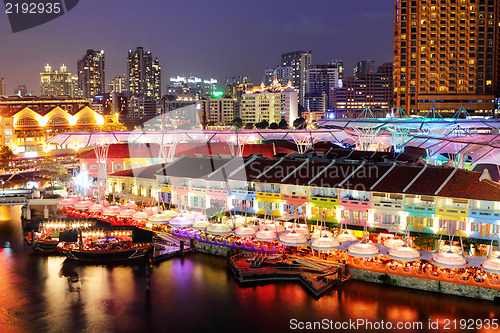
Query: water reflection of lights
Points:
[401, 313]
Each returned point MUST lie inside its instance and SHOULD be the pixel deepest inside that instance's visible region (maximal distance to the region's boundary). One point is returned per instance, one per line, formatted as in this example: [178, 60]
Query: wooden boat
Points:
[110, 244]
[46, 238]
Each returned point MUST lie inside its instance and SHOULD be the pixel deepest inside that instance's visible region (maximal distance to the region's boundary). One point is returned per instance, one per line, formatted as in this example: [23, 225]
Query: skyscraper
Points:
[144, 74]
[56, 83]
[363, 68]
[300, 62]
[446, 54]
[118, 84]
[2, 86]
[91, 79]
[365, 89]
[321, 81]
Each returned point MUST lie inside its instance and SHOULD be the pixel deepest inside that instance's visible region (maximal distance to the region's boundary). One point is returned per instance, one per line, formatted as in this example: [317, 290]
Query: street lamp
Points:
[3, 188]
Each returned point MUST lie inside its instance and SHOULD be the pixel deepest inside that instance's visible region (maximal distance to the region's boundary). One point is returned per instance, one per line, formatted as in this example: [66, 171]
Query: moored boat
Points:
[46, 237]
[108, 244]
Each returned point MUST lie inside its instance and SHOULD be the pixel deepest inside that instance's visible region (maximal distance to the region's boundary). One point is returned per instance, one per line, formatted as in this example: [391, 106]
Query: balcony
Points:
[164, 186]
[476, 213]
[217, 191]
[452, 211]
[319, 200]
[420, 209]
[180, 188]
[198, 189]
[355, 202]
[269, 195]
[388, 204]
[242, 193]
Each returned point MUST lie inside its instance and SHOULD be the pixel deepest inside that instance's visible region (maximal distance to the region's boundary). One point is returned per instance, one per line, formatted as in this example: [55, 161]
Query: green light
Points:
[217, 94]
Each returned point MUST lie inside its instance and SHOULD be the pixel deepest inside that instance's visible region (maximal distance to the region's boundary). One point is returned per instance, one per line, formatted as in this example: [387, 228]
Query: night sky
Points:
[216, 38]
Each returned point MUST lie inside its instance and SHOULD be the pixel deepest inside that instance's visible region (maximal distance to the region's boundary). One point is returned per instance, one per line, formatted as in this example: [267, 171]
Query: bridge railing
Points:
[13, 200]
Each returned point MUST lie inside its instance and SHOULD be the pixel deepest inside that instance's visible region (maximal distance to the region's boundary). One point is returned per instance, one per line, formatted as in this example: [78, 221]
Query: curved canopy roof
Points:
[419, 124]
[481, 148]
[84, 139]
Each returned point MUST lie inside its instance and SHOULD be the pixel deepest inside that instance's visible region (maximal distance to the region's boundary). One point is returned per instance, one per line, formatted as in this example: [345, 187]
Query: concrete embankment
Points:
[425, 284]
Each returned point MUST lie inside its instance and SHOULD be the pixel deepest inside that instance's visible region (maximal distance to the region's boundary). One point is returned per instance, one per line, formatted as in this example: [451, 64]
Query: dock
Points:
[316, 275]
[166, 246]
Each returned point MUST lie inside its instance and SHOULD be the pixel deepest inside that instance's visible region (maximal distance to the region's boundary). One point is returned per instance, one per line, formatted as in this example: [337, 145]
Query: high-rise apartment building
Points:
[363, 68]
[192, 85]
[321, 82]
[2, 86]
[299, 61]
[283, 74]
[446, 54]
[144, 74]
[91, 78]
[221, 111]
[118, 84]
[271, 103]
[237, 85]
[57, 83]
[367, 89]
[141, 108]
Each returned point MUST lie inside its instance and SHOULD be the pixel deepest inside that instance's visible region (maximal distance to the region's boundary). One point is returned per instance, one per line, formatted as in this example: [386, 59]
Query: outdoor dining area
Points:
[395, 255]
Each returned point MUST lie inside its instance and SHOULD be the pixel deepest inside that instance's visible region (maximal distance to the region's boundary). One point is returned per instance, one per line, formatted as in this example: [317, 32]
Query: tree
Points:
[56, 172]
[112, 127]
[6, 154]
[283, 124]
[237, 122]
[299, 123]
[273, 126]
[425, 242]
[249, 126]
[262, 125]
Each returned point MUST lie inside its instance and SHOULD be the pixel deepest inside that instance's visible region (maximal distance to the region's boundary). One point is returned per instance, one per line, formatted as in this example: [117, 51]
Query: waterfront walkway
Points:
[316, 275]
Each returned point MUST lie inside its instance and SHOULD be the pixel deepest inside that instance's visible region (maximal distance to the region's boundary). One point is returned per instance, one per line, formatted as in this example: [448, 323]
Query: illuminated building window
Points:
[86, 120]
[57, 120]
[27, 121]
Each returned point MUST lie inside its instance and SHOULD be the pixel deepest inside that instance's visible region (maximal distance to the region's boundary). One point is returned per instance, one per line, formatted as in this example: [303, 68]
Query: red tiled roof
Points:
[396, 180]
[148, 172]
[218, 148]
[430, 180]
[466, 184]
[126, 150]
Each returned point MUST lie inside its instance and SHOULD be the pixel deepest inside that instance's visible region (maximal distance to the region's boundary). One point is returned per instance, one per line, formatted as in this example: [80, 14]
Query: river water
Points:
[196, 293]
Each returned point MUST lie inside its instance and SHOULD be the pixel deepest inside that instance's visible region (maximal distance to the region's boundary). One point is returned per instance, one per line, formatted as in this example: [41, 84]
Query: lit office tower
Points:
[91, 79]
[144, 74]
[300, 62]
[321, 81]
[446, 55]
[56, 83]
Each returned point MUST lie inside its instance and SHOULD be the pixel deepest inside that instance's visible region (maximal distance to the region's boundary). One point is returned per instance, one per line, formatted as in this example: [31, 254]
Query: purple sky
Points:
[215, 38]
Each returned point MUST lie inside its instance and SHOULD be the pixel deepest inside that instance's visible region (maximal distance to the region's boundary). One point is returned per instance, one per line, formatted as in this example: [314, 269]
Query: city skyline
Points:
[340, 30]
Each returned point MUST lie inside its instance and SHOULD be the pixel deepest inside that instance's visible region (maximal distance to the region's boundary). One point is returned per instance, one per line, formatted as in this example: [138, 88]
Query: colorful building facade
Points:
[390, 197]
